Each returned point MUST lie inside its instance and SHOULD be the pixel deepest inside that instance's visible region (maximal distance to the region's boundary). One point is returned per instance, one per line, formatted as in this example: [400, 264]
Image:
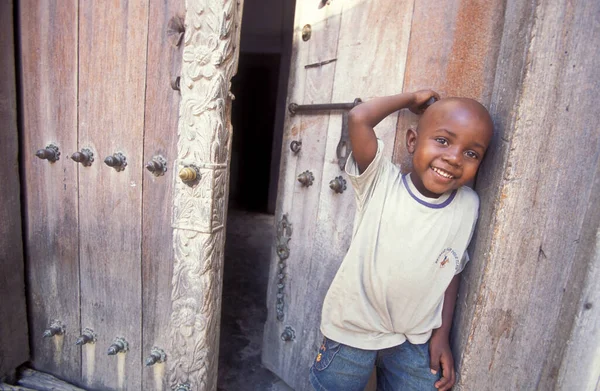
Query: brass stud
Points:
[306, 32]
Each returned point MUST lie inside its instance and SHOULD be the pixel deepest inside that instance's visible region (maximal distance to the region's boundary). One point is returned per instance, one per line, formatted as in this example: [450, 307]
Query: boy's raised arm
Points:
[363, 118]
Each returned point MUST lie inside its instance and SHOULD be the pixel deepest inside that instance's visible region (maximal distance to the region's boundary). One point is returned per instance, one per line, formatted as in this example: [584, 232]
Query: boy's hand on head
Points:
[441, 358]
[420, 99]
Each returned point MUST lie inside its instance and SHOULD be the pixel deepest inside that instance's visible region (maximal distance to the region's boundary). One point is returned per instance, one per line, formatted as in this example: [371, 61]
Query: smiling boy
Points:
[391, 303]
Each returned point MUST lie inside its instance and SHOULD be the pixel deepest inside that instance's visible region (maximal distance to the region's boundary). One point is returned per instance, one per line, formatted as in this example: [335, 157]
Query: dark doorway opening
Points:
[253, 119]
[260, 88]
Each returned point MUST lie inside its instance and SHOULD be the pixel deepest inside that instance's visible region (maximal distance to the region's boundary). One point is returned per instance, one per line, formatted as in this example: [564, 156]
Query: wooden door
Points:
[99, 241]
[363, 44]
[126, 260]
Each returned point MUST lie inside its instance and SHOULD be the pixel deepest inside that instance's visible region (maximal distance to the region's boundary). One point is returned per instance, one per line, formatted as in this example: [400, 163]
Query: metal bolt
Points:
[183, 387]
[55, 328]
[288, 334]
[306, 32]
[338, 184]
[176, 83]
[156, 355]
[118, 161]
[306, 178]
[190, 175]
[157, 166]
[296, 146]
[120, 345]
[87, 336]
[85, 157]
[50, 153]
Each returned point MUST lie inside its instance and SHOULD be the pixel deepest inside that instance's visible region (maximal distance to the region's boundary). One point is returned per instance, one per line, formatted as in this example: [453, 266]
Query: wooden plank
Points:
[531, 287]
[44, 382]
[160, 138]
[453, 49]
[271, 352]
[282, 93]
[313, 85]
[14, 343]
[10, 387]
[516, 34]
[49, 103]
[112, 54]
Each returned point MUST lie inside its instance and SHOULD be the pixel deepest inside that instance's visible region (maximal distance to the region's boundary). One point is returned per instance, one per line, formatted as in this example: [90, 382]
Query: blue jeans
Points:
[339, 367]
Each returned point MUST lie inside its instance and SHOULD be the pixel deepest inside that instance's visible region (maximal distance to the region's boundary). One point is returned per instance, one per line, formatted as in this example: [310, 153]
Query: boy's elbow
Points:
[356, 116]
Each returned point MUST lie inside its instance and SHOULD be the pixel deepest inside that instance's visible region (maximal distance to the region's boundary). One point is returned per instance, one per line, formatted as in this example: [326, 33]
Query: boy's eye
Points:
[472, 155]
[441, 140]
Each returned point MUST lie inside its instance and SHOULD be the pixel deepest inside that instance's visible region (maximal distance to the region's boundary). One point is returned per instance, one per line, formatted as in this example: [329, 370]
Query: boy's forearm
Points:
[448, 309]
[375, 110]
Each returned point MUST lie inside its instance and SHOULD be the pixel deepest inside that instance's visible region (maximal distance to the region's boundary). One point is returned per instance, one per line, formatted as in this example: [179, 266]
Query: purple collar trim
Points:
[425, 203]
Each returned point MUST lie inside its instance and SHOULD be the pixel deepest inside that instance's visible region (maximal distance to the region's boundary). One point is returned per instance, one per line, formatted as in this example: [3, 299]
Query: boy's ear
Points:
[411, 140]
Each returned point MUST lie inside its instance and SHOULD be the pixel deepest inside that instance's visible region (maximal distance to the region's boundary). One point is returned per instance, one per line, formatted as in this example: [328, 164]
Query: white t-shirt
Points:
[405, 250]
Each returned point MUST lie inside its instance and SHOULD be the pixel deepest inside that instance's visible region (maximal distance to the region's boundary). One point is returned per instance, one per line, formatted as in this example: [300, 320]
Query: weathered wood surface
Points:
[529, 301]
[300, 203]
[165, 46]
[282, 93]
[453, 49]
[112, 70]
[44, 382]
[10, 387]
[49, 103]
[14, 343]
[287, 181]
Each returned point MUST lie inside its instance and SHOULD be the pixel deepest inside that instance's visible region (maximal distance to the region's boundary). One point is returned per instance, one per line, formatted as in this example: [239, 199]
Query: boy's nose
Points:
[453, 157]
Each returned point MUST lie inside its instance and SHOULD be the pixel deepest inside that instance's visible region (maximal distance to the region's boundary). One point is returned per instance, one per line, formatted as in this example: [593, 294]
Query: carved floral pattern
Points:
[209, 63]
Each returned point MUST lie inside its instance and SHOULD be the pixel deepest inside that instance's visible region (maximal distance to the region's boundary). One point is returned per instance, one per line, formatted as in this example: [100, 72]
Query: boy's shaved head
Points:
[468, 109]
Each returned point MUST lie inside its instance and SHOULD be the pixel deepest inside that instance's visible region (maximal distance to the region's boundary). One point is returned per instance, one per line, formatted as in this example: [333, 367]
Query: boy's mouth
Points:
[442, 173]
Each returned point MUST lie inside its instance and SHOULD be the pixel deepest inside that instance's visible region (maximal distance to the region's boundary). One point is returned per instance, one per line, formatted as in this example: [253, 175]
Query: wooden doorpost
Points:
[211, 47]
[14, 344]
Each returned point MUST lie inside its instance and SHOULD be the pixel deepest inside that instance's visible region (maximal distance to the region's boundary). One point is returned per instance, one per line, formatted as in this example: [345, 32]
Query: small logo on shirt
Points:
[447, 256]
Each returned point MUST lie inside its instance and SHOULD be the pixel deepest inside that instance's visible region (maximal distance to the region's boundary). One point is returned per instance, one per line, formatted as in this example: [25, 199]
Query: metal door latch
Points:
[343, 147]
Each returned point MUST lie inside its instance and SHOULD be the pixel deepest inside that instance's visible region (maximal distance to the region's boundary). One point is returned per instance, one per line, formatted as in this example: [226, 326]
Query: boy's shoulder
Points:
[469, 197]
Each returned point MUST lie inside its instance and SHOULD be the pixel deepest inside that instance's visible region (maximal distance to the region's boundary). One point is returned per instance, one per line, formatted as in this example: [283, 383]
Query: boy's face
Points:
[452, 138]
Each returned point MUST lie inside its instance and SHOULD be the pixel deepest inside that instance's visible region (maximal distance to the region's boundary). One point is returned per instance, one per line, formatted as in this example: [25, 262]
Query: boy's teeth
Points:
[442, 173]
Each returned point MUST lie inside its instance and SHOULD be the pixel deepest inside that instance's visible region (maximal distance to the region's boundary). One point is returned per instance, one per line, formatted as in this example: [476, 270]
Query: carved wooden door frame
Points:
[210, 59]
